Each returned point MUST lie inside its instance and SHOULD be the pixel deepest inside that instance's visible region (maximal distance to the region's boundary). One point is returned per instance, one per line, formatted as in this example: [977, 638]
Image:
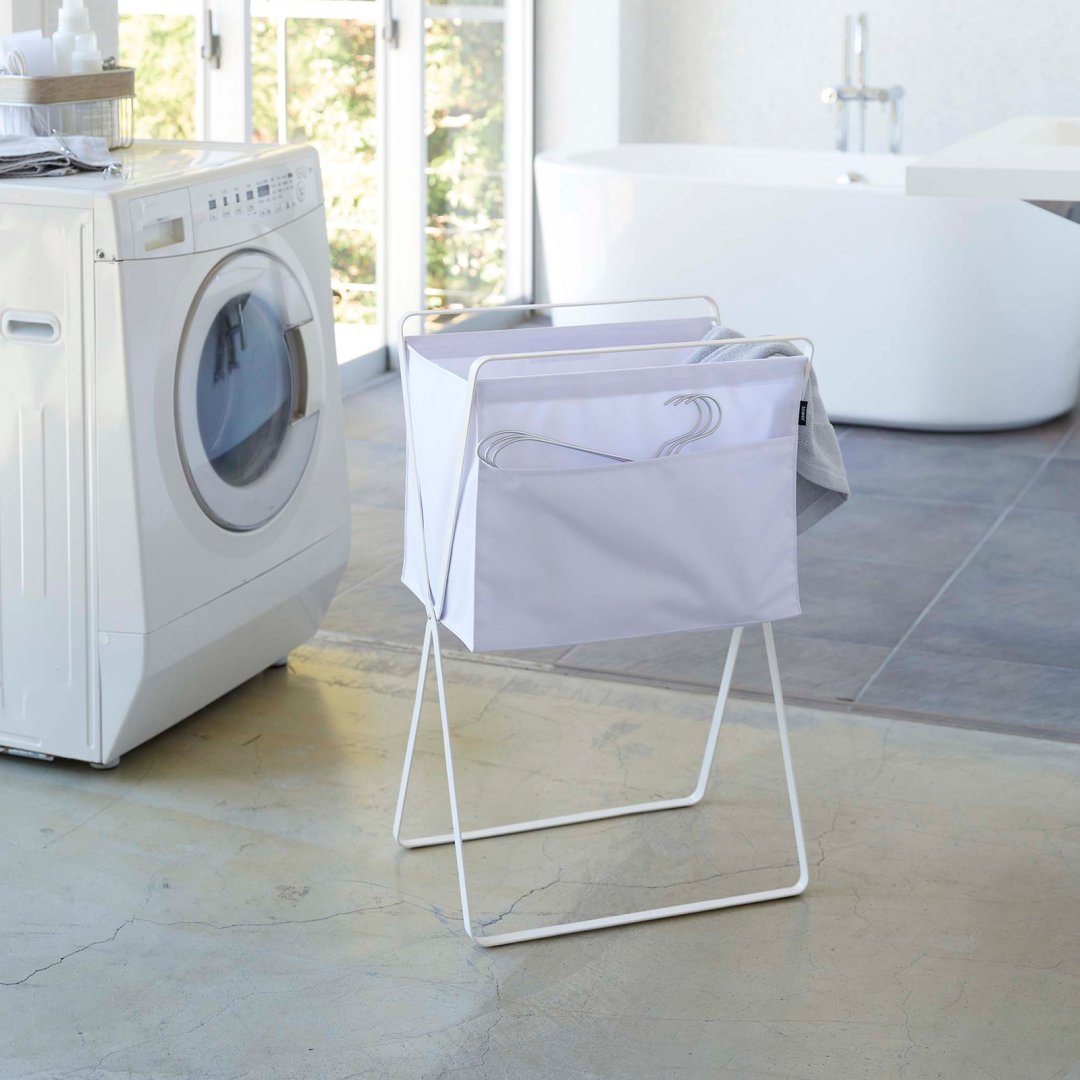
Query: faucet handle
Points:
[885, 95]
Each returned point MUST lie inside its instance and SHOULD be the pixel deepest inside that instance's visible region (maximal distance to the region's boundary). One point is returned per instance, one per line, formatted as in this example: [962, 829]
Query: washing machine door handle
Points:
[298, 359]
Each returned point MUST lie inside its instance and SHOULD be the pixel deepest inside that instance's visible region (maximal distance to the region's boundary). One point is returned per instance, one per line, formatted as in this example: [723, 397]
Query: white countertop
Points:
[1031, 157]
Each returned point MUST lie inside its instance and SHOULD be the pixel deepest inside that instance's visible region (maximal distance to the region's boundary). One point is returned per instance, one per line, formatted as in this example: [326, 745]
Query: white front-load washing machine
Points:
[174, 511]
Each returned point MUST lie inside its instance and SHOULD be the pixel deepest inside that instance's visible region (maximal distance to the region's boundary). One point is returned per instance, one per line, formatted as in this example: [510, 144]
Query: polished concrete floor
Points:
[946, 589]
[229, 902]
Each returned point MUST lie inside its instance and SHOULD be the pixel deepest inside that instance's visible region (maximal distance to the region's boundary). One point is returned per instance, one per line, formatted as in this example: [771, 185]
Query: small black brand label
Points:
[802, 414]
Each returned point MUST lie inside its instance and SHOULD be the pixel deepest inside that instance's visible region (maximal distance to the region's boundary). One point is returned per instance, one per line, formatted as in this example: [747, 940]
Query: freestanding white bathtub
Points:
[926, 312]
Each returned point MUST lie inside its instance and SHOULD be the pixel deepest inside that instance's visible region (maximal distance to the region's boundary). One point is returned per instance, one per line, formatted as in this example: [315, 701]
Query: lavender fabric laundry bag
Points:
[552, 545]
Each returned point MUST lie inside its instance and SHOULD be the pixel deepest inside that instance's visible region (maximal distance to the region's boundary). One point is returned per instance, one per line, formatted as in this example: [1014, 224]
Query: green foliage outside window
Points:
[466, 233]
[164, 46]
[330, 101]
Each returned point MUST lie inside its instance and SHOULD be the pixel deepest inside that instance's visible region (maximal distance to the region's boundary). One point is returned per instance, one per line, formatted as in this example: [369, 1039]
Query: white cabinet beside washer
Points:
[44, 656]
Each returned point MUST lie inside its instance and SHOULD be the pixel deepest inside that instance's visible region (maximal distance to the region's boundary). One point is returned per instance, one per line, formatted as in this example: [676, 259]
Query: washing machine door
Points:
[245, 429]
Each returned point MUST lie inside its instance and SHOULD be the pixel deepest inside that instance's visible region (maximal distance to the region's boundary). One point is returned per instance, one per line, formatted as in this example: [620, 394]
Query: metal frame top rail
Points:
[599, 350]
[551, 306]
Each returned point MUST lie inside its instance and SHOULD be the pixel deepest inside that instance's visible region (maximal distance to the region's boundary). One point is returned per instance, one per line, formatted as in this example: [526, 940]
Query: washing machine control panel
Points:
[229, 210]
[244, 205]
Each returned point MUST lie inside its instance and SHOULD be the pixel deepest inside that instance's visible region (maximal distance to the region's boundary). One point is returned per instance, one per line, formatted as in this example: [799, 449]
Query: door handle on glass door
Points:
[211, 48]
[390, 25]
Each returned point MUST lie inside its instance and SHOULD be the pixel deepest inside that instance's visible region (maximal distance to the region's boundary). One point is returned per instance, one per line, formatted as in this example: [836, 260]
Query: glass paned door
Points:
[314, 80]
[475, 172]
[466, 152]
[421, 111]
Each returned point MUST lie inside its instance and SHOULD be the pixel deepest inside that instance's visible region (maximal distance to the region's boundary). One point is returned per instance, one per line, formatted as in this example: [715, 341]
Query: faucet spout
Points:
[856, 47]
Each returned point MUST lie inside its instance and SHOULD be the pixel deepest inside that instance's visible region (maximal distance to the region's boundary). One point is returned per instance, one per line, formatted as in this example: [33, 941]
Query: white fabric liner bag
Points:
[554, 547]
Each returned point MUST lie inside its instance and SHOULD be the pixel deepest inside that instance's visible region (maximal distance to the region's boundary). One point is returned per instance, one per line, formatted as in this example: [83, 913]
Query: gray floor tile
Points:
[376, 473]
[1033, 543]
[1058, 488]
[376, 413]
[1006, 617]
[878, 528]
[379, 609]
[382, 609]
[697, 659]
[548, 656]
[815, 669]
[872, 603]
[1036, 697]
[376, 543]
[919, 467]
[1071, 449]
[810, 668]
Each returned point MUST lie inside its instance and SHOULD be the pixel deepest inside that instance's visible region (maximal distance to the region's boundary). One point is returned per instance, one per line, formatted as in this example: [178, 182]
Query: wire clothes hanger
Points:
[708, 421]
[489, 448]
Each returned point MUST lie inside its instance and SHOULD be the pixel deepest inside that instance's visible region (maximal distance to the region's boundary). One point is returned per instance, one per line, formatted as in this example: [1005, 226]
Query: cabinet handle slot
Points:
[30, 327]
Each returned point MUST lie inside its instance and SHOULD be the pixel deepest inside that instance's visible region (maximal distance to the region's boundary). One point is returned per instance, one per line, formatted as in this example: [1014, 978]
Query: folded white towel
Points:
[52, 155]
[821, 483]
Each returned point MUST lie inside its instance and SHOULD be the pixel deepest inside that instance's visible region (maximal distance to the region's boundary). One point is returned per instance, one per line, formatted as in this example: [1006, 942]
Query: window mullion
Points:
[518, 143]
[226, 110]
[282, 78]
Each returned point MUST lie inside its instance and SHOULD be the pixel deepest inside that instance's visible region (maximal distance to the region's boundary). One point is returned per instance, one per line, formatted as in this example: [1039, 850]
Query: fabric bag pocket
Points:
[694, 541]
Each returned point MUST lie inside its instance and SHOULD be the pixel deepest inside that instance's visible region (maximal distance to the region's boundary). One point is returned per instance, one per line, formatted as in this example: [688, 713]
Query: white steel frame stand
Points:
[431, 646]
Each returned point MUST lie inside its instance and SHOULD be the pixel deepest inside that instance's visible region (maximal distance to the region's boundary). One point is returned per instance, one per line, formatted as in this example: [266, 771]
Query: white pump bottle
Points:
[74, 20]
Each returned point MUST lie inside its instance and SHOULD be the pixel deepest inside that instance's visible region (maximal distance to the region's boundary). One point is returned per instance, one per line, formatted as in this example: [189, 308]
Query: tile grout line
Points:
[995, 525]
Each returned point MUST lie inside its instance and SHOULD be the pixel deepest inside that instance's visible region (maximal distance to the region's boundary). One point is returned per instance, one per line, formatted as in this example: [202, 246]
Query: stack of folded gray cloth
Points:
[821, 484]
[52, 155]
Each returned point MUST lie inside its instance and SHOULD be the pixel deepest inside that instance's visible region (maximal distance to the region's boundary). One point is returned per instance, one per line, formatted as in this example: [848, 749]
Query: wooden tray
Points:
[65, 89]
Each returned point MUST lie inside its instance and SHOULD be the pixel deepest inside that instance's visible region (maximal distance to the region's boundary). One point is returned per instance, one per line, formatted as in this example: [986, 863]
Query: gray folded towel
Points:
[51, 155]
[821, 484]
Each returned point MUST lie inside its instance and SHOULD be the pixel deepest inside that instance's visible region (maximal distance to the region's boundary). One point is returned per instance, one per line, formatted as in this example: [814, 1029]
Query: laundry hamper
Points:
[582, 483]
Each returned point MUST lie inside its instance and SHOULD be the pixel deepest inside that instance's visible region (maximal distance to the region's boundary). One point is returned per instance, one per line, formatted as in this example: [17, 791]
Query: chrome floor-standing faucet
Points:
[841, 97]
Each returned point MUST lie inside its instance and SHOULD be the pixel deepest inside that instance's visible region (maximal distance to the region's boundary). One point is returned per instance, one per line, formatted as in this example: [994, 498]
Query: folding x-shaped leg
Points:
[458, 838]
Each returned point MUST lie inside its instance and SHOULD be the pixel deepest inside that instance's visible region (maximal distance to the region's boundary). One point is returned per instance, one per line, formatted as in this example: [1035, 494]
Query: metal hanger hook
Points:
[708, 421]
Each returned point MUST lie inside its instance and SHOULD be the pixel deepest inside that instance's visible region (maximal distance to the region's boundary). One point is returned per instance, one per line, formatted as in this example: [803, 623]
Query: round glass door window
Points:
[245, 391]
[244, 420]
